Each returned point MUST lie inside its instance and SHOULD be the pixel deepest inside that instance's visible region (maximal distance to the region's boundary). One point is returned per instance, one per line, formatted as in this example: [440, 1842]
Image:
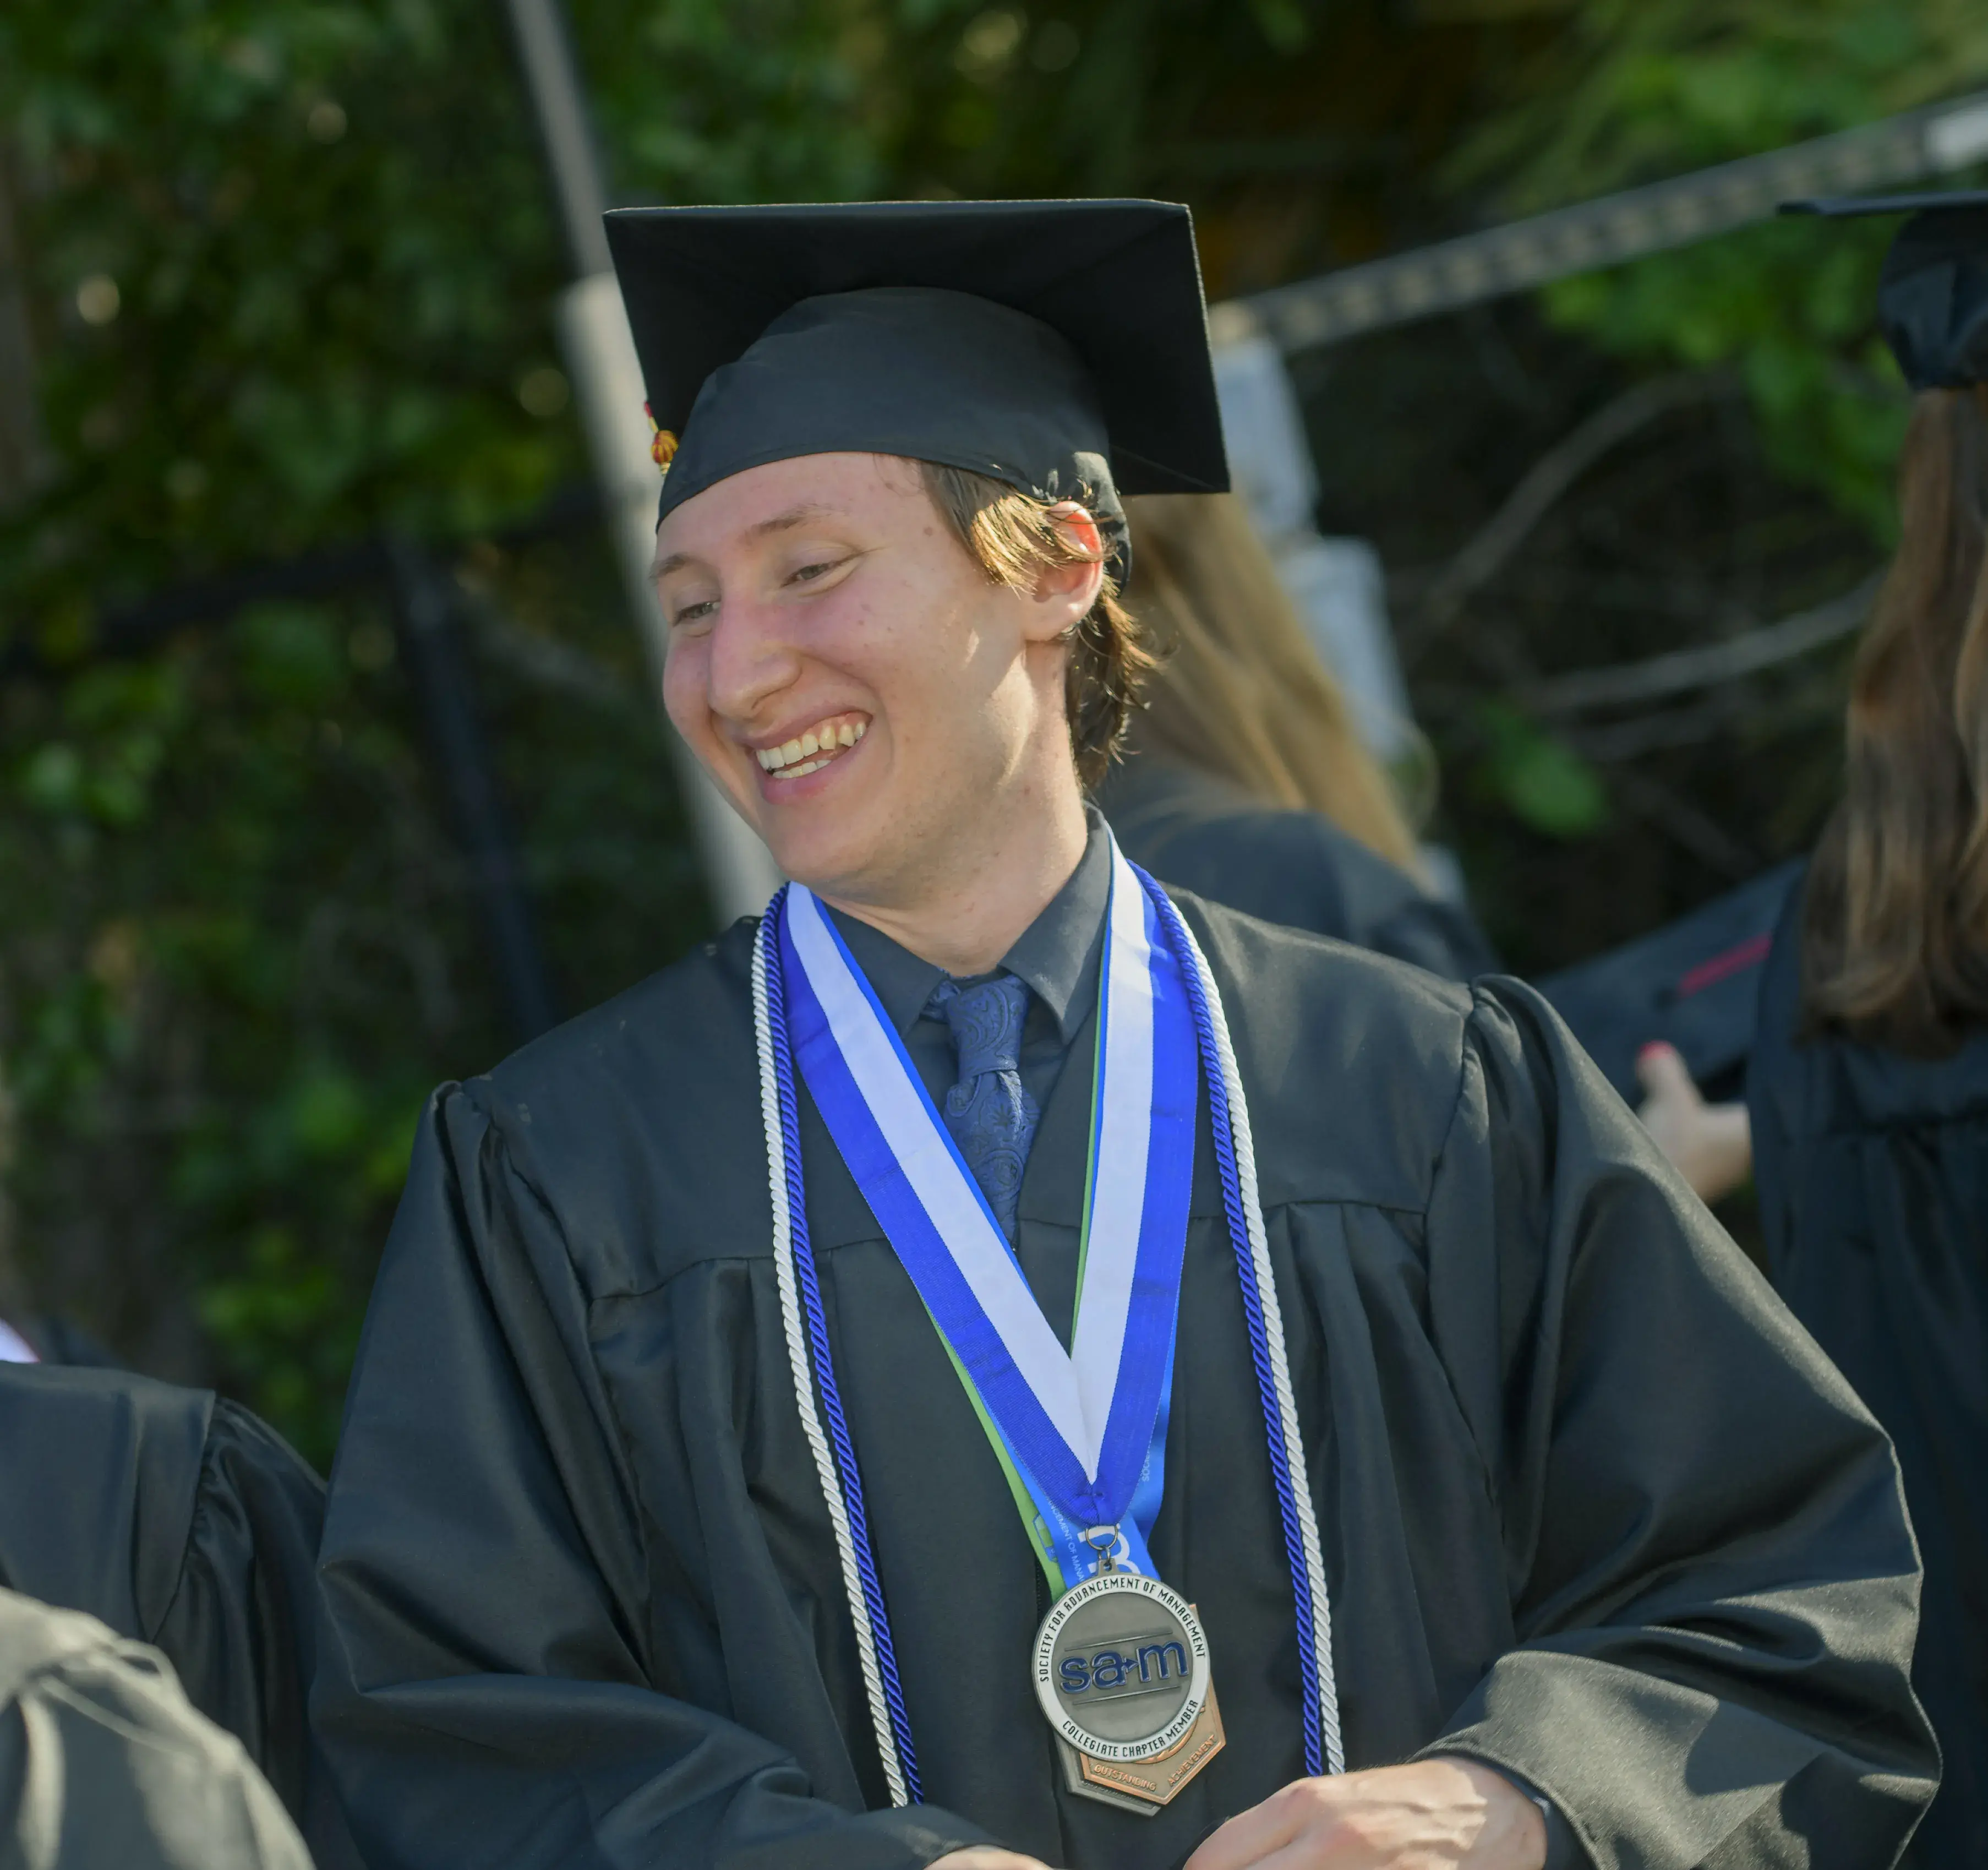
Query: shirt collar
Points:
[1056, 955]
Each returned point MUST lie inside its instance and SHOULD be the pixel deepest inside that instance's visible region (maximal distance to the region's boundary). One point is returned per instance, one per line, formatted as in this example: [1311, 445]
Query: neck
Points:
[981, 890]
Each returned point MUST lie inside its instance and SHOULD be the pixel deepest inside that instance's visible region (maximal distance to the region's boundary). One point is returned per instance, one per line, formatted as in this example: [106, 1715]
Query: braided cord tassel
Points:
[1235, 1157]
[794, 1271]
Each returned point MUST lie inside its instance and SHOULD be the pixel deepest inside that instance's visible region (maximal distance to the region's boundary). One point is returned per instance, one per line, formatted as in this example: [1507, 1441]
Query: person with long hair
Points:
[1243, 777]
[1868, 1089]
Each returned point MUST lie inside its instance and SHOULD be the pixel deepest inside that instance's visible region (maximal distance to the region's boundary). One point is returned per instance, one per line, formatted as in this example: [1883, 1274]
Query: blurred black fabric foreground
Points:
[102, 1762]
[178, 1519]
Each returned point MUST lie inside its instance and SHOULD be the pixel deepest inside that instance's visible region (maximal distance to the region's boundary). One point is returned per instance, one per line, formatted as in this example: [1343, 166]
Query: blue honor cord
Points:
[821, 1360]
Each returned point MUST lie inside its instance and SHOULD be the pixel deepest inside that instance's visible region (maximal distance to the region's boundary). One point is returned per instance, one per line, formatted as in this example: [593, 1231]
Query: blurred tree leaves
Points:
[325, 234]
[1634, 91]
[1542, 781]
[288, 272]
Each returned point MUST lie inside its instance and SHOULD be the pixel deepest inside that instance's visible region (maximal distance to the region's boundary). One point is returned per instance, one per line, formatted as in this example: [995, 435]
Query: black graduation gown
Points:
[178, 1519]
[104, 1767]
[56, 1339]
[1288, 866]
[1873, 1176]
[1594, 1509]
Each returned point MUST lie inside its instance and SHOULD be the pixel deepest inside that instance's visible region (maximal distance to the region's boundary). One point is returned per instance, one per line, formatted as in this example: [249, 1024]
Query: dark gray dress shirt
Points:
[1057, 956]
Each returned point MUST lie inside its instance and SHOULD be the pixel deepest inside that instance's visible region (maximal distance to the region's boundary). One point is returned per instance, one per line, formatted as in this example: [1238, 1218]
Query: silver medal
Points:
[1121, 1667]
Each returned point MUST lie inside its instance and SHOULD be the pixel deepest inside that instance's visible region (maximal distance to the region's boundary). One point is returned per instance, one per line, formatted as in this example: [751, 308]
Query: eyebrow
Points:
[804, 515]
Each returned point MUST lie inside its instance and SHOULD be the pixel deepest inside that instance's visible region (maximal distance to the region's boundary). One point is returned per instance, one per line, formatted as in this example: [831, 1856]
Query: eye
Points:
[696, 613]
[806, 574]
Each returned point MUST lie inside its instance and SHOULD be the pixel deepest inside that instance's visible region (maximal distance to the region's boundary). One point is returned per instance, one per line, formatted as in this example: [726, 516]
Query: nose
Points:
[750, 659]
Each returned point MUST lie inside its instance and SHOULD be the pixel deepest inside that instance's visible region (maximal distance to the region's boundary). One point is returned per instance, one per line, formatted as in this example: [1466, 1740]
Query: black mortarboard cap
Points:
[1932, 295]
[1693, 984]
[1058, 346]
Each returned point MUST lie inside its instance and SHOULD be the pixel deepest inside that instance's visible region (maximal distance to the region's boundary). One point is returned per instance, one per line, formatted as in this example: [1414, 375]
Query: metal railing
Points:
[1608, 231]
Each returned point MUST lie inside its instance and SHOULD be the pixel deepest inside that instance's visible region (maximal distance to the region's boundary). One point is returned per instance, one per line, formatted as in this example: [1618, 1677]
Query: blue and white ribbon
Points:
[1082, 1426]
[1079, 1425]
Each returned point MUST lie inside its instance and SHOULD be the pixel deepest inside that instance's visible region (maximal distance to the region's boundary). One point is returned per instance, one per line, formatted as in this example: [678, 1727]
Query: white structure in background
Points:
[599, 350]
[1337, 583]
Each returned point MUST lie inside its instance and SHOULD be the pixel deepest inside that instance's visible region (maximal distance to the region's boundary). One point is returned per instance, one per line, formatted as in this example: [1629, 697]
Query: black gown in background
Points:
[178, 1519]
[1594, 1509]
[1873, 1176]
[1201, 833]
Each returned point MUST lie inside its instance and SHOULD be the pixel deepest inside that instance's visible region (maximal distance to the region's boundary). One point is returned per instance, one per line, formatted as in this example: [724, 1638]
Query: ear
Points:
[1063, 594]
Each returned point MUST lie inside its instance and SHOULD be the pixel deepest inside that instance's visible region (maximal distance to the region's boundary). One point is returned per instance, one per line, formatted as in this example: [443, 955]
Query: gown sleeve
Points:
[1713, 1584]
[483, 1693]
[197, 1534]
[241, 1627]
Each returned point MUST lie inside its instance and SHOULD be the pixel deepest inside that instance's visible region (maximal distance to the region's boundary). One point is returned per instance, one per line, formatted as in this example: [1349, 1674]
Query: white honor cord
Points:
[1280, 1367]
[804, 1375]
[1273, 1333]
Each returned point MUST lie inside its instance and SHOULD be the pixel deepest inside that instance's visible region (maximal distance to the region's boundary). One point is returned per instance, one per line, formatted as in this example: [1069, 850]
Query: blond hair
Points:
[1240, 692]
[1015, 539]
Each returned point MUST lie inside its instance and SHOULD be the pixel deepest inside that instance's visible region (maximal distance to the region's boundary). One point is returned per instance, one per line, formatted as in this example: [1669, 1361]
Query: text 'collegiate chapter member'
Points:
[994, 1363]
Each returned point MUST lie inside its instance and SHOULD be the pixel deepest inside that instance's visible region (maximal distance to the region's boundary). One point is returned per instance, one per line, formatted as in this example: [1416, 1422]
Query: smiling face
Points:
[886, 718]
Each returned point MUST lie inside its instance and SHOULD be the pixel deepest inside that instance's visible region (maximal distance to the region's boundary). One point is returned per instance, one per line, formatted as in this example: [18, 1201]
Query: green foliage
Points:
[320, 289]
[1543, 781]
[1635, 90]
[760, 100]
[290, 270]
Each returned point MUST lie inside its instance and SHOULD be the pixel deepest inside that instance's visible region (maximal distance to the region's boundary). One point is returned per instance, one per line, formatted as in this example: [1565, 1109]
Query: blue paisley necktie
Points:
[989, 1112]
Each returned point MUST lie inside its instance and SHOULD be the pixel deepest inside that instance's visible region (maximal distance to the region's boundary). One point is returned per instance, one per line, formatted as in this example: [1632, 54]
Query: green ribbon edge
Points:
[1032, 1522]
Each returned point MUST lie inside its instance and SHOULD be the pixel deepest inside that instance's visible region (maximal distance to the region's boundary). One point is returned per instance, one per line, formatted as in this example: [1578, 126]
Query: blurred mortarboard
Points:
[1932, 295]
[1058, 346]
[1693, 984]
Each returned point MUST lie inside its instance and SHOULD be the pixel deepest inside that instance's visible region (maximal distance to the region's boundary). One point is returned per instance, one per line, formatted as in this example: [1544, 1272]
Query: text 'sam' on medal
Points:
[1121, 1671]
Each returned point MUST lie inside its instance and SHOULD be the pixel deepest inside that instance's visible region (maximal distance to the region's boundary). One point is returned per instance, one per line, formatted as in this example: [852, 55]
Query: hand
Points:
[985, 1857]
[1710, 1145]
[1429, 1815]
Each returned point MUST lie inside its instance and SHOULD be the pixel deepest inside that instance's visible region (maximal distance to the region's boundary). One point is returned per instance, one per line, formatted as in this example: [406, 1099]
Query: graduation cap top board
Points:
[1932, 295]
[1694, 984]
[1060, 347]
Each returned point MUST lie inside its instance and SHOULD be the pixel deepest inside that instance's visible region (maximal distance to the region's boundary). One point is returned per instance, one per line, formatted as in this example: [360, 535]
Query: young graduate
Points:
[992, 1365]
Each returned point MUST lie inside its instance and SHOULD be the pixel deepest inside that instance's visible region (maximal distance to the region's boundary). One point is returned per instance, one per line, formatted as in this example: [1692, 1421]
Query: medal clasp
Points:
[1107, 1542]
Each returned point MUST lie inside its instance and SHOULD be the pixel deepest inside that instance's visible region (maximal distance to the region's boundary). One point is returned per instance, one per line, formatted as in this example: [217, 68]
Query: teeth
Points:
[795, 758]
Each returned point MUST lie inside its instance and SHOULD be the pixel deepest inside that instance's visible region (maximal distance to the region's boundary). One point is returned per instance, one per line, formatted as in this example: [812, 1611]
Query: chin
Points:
[831, 859]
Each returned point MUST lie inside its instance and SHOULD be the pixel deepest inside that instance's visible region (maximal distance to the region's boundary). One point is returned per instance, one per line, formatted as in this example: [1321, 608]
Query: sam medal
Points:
[1121, 1671]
